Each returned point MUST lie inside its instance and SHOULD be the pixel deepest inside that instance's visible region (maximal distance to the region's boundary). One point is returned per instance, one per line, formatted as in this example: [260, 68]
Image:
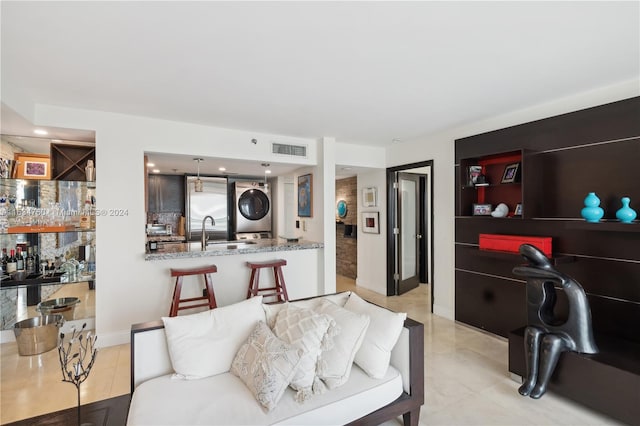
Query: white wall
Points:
[130, 289]
[440, 148]
[372, 248]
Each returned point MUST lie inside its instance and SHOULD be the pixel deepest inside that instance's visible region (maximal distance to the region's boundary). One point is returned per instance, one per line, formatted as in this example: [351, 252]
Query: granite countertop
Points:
[228, 248]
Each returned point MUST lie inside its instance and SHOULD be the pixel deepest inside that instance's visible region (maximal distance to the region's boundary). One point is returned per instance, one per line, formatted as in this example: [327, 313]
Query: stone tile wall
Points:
[347, 247]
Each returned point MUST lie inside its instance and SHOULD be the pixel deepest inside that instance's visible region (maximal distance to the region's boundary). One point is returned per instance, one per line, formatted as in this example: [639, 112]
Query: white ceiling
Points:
[362, 72]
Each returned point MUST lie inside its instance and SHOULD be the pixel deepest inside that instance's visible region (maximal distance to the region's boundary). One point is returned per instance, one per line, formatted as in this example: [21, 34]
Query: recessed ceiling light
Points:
[56, 140]
[222, 169]
[267, 172]
[150, 164]
[156, 171]
[40, 132]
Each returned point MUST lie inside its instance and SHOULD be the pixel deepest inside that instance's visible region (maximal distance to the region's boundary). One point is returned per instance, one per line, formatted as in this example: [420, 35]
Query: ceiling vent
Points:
[286, 149]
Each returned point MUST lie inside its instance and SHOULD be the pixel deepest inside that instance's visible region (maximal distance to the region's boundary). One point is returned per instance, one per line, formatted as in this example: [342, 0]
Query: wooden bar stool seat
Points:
[279, 290]
[208, 295]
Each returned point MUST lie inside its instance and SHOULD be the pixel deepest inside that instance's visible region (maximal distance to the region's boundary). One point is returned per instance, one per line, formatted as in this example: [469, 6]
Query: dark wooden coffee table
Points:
[108, 412]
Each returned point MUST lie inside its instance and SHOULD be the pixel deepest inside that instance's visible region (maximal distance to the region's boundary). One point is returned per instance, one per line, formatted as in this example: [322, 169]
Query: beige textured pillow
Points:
[308, 331]
[334, 365]
[266, 365]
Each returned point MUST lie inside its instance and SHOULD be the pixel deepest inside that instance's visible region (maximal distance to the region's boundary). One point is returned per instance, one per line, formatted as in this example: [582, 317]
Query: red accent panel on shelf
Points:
[512, 243]
[500, 159]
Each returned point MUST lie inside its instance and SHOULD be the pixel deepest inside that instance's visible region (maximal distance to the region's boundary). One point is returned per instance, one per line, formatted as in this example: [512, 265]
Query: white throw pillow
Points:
[334, 365]
[266, 365]
[383, 333]
[308, 331]
[271, 310]
[204, 344]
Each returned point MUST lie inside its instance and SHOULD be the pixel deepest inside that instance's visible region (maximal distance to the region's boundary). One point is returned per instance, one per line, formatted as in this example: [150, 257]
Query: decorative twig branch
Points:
[77, 358]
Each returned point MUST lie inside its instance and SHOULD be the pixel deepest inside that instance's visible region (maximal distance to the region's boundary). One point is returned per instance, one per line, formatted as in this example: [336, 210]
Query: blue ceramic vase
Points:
[626, 214]
[592, 212]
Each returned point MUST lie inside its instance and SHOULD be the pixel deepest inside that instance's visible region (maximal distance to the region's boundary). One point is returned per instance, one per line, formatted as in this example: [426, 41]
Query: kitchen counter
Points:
[228, 248]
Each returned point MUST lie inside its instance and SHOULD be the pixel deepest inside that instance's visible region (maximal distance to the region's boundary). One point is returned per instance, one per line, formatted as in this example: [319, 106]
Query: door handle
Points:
[419, 236]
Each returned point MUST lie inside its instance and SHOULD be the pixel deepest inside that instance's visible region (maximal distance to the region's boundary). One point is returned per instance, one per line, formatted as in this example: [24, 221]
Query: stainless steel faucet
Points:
[204, 238]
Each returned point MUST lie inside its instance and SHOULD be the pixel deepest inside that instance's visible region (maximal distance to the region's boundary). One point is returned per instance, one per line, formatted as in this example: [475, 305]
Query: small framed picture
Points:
[370, 222]
[511, 173]
[518, 211]
[369, 197]
[481, 209]
[33, 166]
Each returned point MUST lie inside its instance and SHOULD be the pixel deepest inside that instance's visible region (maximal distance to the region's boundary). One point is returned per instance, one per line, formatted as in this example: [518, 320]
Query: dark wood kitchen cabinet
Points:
[166, 193]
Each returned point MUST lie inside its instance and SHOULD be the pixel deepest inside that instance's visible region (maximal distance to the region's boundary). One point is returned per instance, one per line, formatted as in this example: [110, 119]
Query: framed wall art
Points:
[370, 197]
[305, 195]
[370, 222]
[511, 173]
[33, 166]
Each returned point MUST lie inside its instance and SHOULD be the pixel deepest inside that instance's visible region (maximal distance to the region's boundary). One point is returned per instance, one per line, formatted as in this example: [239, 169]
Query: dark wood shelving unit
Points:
[69, 161]
[563, 159]
[514, 258]
[605, 226]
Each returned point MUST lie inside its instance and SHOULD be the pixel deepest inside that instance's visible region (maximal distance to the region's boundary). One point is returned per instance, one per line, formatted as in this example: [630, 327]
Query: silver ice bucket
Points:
[38, 334]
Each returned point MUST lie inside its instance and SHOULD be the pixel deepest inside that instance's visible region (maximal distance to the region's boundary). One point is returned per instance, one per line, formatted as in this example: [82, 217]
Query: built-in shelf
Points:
[508, 256]
[605, 226]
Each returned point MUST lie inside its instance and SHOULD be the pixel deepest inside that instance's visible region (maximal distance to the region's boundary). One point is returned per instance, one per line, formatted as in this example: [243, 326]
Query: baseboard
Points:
[121, 337]
[444, 312]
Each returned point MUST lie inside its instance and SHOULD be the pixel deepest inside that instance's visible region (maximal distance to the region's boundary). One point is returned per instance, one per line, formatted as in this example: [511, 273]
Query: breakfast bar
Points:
[231, 280]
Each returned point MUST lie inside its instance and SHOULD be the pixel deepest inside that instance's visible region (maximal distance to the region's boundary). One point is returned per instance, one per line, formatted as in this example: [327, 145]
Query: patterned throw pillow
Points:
[266, 365]
[310, 332]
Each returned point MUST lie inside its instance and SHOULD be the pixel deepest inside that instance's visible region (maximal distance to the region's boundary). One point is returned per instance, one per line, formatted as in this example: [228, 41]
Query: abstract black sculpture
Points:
[546, 336]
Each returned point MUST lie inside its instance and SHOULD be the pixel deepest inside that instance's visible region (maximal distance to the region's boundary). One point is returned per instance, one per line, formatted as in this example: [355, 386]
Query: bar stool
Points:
[209, 296]
[280, 288]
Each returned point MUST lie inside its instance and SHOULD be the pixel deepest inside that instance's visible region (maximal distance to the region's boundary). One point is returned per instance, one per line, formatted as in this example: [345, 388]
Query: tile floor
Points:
[466, 376]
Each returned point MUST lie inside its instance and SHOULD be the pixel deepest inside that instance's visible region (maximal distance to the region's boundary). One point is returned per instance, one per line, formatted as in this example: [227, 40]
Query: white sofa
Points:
[158, 398]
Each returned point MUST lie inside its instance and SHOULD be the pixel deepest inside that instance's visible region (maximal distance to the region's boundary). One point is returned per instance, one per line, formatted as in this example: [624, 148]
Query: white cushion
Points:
[381, 336]
[205, 343]
[266, 365]
[271, 310]
[334, 365]
[225, 400]
[306, 330]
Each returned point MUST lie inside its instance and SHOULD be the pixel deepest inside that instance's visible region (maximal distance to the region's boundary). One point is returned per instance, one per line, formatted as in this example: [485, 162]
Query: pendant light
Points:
[198, 182]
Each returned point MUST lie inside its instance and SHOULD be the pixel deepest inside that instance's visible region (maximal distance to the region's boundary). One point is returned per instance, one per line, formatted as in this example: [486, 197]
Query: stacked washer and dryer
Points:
[252, 211]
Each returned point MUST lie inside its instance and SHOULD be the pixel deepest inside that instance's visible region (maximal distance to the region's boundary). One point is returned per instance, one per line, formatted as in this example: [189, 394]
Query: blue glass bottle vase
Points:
[626, 214]
[592, 212]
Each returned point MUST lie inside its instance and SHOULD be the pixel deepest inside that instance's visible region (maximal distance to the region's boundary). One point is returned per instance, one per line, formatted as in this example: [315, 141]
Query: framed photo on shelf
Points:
[481, 209]
[369, 197]
[33, 166]
[518, 211]
[370, 222]
[305, 195]
[511, 173]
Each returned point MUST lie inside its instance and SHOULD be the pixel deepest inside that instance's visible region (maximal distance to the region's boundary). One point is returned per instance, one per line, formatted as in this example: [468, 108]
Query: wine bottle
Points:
[19, 260]
[12, 262]
[3, 262]
[31, 263]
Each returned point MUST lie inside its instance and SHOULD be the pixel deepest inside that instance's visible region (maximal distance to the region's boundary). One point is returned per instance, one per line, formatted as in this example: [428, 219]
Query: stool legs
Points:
[208, 295]
[279, 284]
